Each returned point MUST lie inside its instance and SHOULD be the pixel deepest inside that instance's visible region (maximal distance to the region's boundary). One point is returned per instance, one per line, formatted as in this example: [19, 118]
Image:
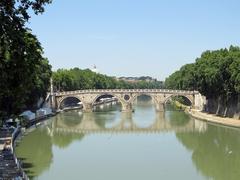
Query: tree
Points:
[24, 72]
[216, 74]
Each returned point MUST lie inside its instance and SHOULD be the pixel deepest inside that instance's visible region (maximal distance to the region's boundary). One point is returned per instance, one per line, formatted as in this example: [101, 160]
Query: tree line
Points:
[77, 79]
[216, 74]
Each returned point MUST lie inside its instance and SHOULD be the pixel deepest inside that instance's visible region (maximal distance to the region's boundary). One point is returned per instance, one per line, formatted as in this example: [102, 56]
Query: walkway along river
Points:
[109, 144]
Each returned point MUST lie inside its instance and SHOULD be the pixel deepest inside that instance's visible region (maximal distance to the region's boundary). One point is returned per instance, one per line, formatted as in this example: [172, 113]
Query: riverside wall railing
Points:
[18, 163]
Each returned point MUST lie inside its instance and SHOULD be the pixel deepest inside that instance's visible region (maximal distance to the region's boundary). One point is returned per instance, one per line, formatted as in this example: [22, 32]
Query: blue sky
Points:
[135, 37]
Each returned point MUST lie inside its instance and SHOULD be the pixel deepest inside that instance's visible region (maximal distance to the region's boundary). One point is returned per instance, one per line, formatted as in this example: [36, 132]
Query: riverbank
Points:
[225, 121]
[213, 118]
[10, 166]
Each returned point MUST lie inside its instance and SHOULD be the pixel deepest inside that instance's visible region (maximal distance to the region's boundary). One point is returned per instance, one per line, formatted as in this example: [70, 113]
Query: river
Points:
[111, 145]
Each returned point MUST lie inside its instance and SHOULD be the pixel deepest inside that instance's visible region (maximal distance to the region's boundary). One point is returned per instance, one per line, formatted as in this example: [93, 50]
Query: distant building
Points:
[94, 69]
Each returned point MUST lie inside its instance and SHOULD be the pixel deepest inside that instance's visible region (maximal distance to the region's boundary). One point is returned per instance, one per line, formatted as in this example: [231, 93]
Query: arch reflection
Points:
[123, 122]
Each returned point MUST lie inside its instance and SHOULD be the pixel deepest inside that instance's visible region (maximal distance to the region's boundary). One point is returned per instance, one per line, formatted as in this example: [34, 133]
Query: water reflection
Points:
[144, 115]
[122, 122]
[215, 153]
[35, 151]
[108, 140]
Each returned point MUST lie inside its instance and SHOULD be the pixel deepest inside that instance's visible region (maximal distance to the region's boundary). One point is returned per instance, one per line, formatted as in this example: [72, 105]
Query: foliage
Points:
[24, 72]
[214, 74]
[76, 79]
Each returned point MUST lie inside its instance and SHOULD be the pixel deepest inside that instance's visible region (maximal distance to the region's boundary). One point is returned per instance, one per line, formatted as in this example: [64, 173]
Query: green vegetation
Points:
[24, 71]
[181, 101]
[216, 74]
[76, 79]
[215, 152]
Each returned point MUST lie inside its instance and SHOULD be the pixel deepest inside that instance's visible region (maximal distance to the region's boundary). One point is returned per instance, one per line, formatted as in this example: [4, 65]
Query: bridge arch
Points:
[144, 105]
[134, 98]
[108, 94]
[188, 97]
[158, 100]
[62, 99]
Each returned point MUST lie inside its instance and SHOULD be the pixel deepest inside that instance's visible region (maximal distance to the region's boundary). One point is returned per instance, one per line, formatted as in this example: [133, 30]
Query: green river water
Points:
[112, 145]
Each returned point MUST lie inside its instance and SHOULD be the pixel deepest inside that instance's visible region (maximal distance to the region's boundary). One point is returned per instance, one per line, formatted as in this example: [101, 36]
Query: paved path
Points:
[9, 166]
[215, 119]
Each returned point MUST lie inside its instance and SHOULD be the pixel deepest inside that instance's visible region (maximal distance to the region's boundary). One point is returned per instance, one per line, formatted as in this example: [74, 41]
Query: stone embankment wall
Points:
[220, 107]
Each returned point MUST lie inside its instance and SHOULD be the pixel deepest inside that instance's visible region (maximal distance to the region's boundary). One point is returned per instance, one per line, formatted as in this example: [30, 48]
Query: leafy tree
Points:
[24, 72]
[216, 74]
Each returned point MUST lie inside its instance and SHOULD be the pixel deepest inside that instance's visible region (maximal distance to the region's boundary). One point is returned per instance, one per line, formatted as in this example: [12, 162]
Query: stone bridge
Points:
[126, 97]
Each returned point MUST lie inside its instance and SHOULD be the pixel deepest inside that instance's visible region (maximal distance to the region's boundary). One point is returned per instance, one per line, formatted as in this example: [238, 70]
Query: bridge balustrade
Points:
[124, 91]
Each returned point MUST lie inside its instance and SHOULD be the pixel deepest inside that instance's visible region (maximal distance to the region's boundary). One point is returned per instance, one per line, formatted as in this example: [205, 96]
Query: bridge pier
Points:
[87, 107]
[160, 107]
[127, 107]
[53, 104]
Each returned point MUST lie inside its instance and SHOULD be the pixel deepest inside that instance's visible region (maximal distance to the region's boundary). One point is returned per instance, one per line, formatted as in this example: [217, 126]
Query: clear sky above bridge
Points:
[135, 37]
